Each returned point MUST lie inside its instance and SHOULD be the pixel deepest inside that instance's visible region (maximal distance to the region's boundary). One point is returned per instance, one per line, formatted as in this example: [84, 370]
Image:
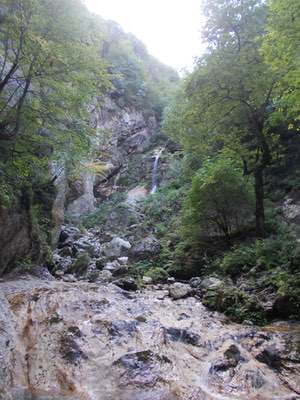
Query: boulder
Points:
[106, 276]
[115, 268]
[147, 247]
[61, 263]
[195, 282]
[210, 283]
[116, 248]
[92, 247]
[179, 291]
[128, 284]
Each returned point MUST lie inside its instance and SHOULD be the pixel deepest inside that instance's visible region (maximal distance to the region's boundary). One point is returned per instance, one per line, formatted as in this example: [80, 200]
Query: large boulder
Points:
[116, 248]
[179, 291]
[145, 248]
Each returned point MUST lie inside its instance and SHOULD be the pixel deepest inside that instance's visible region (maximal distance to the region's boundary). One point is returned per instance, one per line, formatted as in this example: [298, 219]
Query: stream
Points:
[91, 341]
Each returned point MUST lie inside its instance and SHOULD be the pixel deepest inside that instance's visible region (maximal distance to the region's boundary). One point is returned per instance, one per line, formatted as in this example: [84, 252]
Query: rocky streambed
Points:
[95, 341]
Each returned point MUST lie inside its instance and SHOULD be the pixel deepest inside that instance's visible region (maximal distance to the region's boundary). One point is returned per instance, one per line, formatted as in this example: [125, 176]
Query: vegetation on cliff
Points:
[237, 113]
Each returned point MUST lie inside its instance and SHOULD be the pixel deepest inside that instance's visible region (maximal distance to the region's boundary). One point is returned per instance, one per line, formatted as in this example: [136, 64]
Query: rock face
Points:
[15, 233]
[127, 132]
[75, 341]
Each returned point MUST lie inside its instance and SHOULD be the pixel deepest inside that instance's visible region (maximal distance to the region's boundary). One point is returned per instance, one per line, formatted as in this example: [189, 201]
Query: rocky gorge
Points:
[149, 225]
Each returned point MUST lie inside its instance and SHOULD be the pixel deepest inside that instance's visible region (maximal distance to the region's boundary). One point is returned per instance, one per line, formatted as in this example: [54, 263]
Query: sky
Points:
[169, 28]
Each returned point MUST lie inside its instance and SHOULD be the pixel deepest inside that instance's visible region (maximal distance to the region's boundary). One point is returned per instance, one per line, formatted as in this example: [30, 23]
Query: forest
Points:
[149, 220]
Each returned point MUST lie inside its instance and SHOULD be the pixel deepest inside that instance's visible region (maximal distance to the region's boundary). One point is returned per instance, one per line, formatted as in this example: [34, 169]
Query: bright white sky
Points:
[169, 28]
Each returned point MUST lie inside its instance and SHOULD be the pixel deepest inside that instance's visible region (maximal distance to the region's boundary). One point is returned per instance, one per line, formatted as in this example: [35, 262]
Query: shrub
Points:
[236, 304]
[157, 274]
[239, 260]
[266, 254]
[220, 201]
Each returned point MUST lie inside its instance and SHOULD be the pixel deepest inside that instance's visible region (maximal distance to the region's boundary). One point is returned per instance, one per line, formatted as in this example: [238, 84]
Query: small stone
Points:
[171, 280]
[147, 280]
[59, 273]
[69, 278]
[141, 318]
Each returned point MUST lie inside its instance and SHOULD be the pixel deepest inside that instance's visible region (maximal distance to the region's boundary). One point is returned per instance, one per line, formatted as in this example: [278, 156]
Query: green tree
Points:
[220, 202]
[50, 71]
[282, 51]
[228, 98]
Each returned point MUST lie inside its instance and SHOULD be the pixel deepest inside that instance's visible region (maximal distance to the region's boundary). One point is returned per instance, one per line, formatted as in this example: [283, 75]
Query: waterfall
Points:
[154, 170]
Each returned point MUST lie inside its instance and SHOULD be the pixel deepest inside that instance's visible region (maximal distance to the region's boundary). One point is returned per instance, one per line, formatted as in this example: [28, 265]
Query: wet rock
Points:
[232, 356]
[147, 247]
[116, 248]
[270, 356]
[254, 378]
[195, 282]
[70, 350]
[142, 369]
[179, 291]
[128, 284]
[182, 335]
[120, 328]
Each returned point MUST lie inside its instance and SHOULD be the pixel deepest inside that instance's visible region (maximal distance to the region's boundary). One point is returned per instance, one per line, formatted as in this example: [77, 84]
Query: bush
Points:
[220, 202]
[236, 304]
[239, 260]
[157, 274]
[266, 254]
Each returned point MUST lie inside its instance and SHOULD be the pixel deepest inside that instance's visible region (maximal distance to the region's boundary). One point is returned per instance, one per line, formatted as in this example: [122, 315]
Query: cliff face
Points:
[15, 235]
[122, 134]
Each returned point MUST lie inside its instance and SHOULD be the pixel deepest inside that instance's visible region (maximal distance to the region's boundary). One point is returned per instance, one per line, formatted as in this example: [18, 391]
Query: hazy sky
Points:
[169, 28]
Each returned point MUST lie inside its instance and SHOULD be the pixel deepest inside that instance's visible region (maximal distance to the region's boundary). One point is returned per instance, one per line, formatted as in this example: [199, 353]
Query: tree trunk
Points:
[259, 197]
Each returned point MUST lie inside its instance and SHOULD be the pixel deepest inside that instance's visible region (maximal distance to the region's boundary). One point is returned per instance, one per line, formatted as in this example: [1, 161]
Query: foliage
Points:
[228, 100]
[235, 303]
[219, 202]
[282, 51]
[281, 251]
[157, 274]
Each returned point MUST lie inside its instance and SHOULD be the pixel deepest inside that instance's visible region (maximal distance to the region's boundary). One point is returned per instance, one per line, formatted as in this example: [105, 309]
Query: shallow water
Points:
[83, 341]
